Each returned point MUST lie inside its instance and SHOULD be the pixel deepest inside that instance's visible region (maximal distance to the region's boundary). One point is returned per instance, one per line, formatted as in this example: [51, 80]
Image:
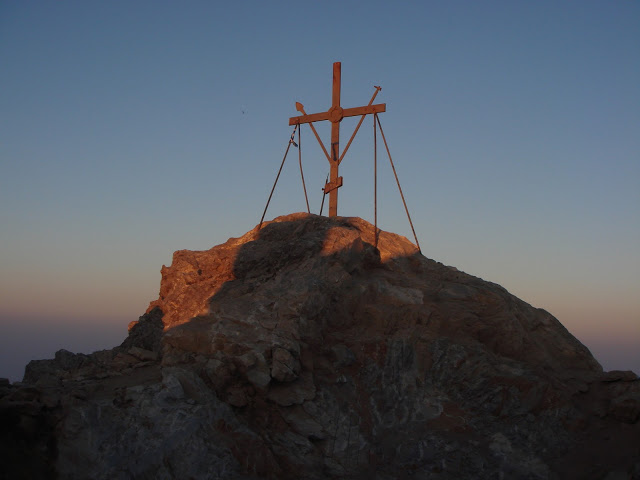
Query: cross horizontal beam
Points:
[337, 114]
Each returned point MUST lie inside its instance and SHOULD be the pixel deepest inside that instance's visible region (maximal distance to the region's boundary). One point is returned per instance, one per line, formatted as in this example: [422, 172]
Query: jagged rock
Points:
[146, 332]
[62, 366]
[284, 367]
[142, 354]
[319, 348]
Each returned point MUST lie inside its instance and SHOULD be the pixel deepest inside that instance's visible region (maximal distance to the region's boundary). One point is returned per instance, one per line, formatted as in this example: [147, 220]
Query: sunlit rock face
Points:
[319, 348]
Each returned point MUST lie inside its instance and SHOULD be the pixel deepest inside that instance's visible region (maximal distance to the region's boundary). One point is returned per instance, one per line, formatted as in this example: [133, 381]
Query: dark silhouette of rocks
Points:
[303, 351]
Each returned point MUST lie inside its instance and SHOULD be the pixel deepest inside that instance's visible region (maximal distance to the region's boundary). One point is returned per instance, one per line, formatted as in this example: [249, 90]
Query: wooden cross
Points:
[335, 115]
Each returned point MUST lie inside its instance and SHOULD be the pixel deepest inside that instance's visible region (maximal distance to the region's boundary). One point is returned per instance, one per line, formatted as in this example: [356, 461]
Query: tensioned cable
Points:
[278, 176]
[304, 187]
[375, 184]
[397, 181]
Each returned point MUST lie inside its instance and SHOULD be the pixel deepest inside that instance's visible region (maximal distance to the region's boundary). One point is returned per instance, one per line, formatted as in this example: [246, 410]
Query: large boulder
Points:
[321, 348]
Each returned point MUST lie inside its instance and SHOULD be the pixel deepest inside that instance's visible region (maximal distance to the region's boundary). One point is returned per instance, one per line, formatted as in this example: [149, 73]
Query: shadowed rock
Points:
[309, 350]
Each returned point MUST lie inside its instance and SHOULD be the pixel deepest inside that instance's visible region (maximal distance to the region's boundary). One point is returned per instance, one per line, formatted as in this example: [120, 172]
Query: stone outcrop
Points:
[319, 348]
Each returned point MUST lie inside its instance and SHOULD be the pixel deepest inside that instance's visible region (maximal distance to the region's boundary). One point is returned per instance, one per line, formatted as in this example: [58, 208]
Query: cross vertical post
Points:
[335, 141]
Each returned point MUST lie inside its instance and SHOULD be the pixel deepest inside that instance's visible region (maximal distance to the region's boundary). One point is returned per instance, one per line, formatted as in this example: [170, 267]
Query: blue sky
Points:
[129, 130]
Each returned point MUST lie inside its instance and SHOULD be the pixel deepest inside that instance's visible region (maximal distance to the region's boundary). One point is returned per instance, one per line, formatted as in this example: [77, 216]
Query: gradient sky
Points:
[129, 130]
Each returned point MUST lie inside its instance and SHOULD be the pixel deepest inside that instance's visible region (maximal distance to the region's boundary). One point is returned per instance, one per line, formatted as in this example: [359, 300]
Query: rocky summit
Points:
[320, 348]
